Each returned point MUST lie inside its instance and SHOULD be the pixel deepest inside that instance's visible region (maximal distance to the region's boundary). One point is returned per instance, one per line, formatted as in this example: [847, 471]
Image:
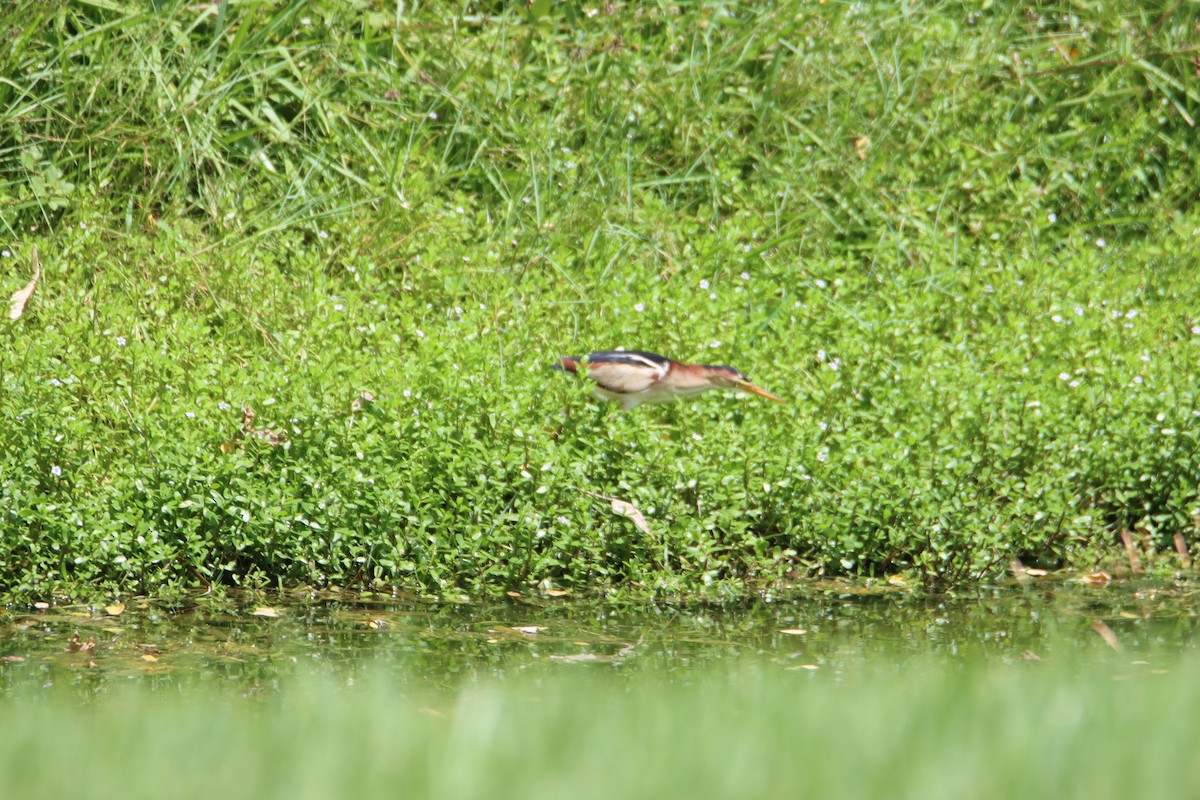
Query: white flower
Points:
[223, 406]
[1052, 217]
[745, 276]
[120, 341]
[1101, 243]
[433, 115]
[704, 285]
[323, 234]
[190, 414]
[820, 284]
[640, 307]
[1056, 318]
[1062, 376]
[408, 392]
[56, 471]
[1073, 384]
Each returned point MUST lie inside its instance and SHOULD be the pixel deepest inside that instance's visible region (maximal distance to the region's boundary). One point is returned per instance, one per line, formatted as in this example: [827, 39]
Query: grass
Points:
[961, 242]
[910, 730]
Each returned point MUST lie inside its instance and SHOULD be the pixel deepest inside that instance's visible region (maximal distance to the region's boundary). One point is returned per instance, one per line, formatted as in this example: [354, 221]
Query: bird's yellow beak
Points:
[747, 386]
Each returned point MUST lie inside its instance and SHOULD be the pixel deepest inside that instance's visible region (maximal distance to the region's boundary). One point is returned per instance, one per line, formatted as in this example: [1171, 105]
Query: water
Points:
[255, 643]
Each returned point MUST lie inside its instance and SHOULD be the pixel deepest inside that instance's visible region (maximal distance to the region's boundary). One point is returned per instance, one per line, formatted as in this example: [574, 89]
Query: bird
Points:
[633, 377]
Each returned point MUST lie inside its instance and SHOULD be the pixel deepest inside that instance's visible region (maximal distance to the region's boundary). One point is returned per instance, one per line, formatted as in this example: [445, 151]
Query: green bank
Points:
[960, 243]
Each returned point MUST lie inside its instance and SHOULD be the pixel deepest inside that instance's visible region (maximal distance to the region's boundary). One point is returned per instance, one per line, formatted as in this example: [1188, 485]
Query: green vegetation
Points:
[960, 241]
[918, 730]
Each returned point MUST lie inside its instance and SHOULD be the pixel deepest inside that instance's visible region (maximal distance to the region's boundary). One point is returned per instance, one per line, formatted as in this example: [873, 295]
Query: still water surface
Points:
[828, 628]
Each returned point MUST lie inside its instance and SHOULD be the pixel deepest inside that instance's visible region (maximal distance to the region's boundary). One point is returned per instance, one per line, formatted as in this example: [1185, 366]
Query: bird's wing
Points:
[626, 372]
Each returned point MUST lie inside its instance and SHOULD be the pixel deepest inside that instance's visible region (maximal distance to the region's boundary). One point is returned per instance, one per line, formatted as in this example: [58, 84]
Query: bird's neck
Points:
[690, 378]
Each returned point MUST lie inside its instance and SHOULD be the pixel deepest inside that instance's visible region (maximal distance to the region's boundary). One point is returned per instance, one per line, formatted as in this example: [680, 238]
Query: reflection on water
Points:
[830, 628]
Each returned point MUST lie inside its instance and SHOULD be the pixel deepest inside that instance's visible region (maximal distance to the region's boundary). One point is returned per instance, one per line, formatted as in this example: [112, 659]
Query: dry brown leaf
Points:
[361, 401]
[1106, 633]
[1100, 578]
[631, 512]
[264, 611]
[557, 592]
[794, 631]
[1036, 573]
[16, 306]
[513, 594]
[269, 435]
[148, 657]
[625, 509]
[41, 606]
[861, 145]
[114, 611]
[12, 659]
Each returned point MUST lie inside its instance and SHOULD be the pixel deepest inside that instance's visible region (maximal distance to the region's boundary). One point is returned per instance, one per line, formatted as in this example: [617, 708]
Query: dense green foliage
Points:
[920, 730]
[960, 241]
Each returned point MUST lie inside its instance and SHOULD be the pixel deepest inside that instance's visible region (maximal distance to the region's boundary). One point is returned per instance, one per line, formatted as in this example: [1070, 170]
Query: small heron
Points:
[632, 377]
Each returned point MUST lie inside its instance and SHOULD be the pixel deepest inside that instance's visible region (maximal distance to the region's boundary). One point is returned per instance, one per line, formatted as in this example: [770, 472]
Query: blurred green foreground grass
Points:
[924, 729]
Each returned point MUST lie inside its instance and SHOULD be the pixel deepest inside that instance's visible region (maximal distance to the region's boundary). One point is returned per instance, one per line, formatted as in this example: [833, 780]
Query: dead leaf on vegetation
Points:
[794, 631]
[264, 611]
[16, 306]
[269, 435]
[114, 610]
[625, 509]
[557, 592]
[361, 401]
[1099, 578]
[12, 659]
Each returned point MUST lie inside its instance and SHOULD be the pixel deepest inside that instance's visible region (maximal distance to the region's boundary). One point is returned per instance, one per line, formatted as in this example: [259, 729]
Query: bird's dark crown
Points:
[732, 373]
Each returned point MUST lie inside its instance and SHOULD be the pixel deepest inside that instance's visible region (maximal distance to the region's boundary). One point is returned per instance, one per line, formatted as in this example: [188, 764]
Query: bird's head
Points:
[726, 377]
